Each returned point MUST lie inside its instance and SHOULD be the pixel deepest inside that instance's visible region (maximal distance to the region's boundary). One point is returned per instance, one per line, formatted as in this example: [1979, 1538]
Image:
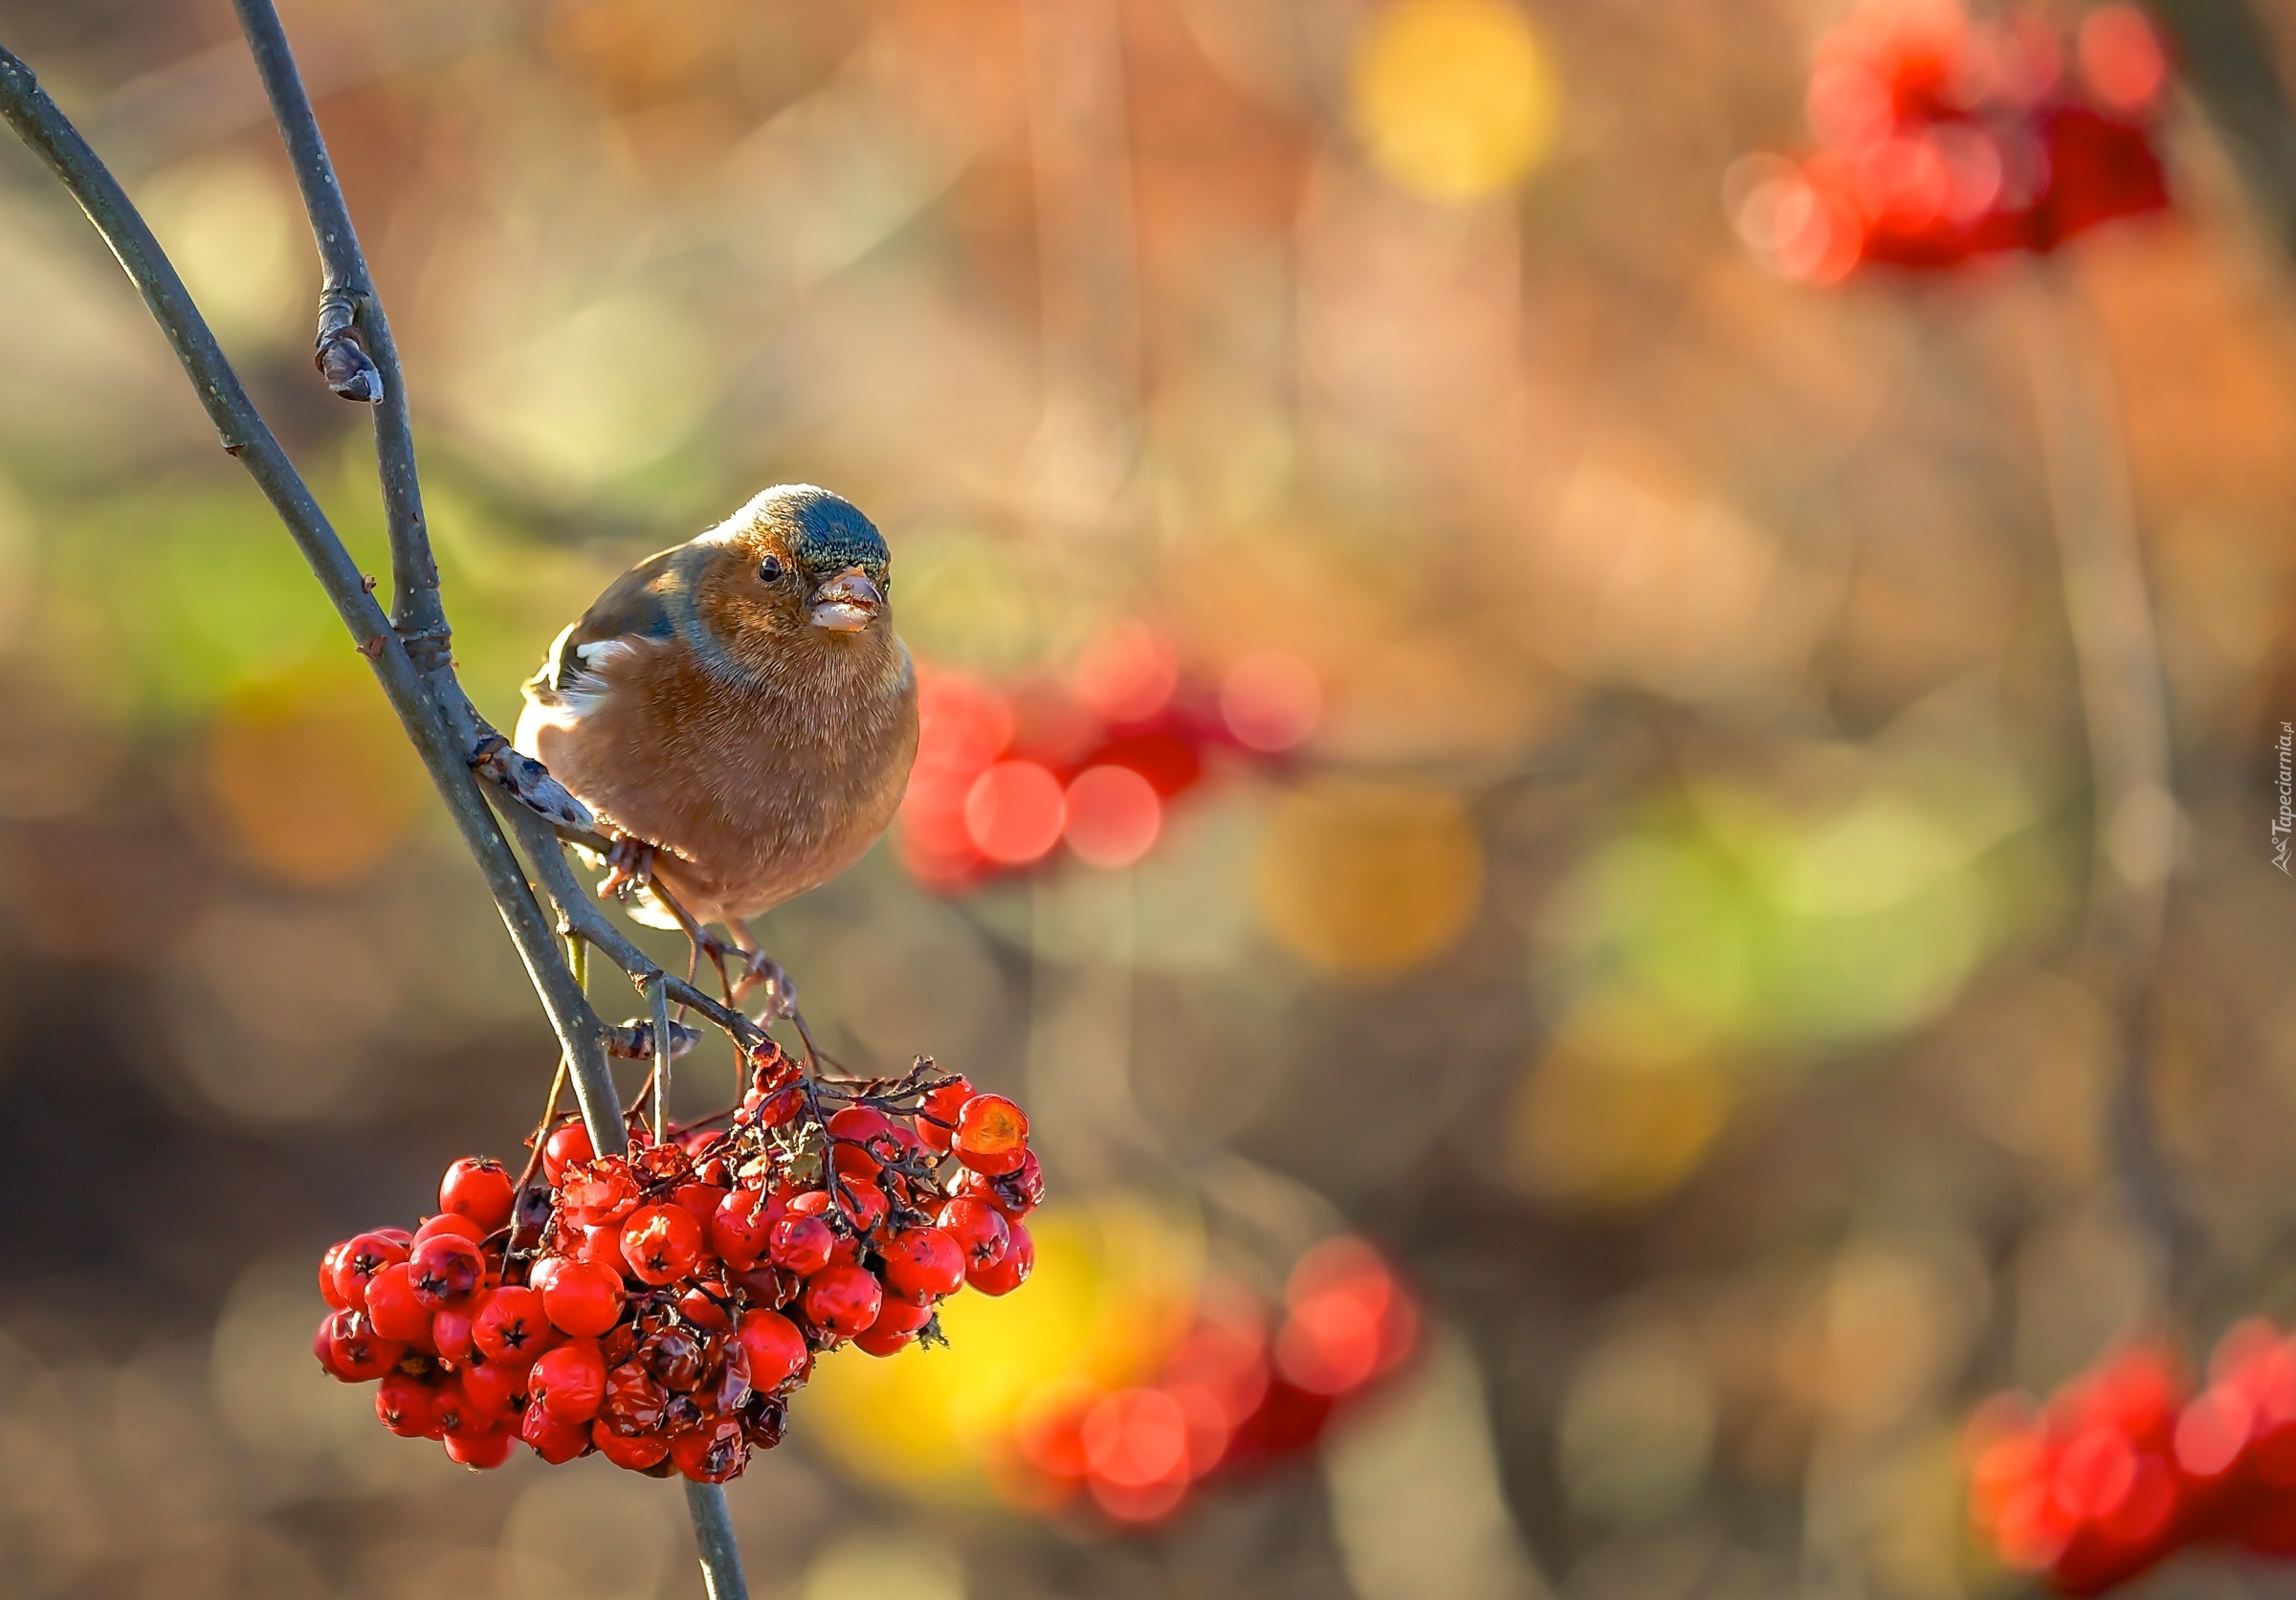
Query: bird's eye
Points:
[771, 569]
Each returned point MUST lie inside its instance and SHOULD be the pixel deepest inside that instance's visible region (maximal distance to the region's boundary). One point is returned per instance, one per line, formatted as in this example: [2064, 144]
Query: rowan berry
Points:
[394, 1308]
[327, 1276]
[477, 1186]
[676, 1357]
[938, 1112]
[843, 1301]
[447, 1270]
[661, 1243]
[481, 1450]
[635, 1452]
[583, 1298]
[359, 1260]
[600, 1191]
[979, 1229]
[922, 1264]
[602, 1247]
[355, 1352]
[570, 1380]
[634, 1400]
[568, 1144]
[449, 1222]
[992, 1135]
[512, 1324]
[741, 1226]
[761, 1424]
[554, 1440]
[725, 1387]
[711, 1453]
[895, 1327]
[801, 1244]
[703, 1200]
[1011, 1271]
[451, 1336]
[863, 1204]
[403, 1405]
[1014, 1194]
[697, 1307]
[776, 1348]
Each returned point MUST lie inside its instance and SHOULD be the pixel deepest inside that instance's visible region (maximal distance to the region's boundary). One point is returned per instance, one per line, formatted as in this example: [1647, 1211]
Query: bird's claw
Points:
[629, 866]
[760, 971]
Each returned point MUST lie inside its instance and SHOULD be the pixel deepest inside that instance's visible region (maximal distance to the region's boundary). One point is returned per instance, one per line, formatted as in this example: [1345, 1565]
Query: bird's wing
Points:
[635, 609]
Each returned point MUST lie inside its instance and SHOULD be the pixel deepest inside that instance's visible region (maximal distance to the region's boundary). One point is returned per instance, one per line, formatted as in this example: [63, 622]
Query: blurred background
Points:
[1665, 947]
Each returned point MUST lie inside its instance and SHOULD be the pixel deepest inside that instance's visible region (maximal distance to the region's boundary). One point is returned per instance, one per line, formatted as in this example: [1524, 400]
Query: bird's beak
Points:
[847, 603]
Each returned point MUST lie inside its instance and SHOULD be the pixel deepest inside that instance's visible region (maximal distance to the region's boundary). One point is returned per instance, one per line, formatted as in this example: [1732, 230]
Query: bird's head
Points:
[797, 563]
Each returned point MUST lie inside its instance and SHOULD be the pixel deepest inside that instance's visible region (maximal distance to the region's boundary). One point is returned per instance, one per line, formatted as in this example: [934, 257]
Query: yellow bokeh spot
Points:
[1454, 99]
[1368, 880]
[311, 777]
[1111, 1289]
[1620, 1110]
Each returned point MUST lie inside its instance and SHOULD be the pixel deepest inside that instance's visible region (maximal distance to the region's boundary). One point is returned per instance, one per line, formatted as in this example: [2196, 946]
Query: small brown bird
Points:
[740, 703]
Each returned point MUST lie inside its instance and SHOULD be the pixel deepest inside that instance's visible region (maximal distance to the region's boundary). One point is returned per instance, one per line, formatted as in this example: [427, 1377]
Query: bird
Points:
[739, 707]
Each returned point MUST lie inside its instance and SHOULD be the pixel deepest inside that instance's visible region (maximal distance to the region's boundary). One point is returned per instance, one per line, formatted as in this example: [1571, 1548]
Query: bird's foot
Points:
[760, 971]
[629, 866]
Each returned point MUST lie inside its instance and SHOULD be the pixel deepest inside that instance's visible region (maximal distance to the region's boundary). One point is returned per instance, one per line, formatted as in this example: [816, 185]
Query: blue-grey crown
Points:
[825, 532]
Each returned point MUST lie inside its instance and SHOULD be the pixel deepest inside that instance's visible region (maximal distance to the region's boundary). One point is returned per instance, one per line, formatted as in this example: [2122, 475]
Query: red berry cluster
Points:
[1946, 137]
[660, 1307]
[1230, 1396]
[2124, 1466]
[1003, 777]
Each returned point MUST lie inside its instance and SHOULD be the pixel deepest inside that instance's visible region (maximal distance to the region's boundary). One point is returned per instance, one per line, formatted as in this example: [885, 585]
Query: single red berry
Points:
[570, 1380]
[801, 1244]
[762, 1423]
[979, 1229]
[863, 1204]
[600, 1191]
[583, 1298]
[992, 1134]
[361, 1259]
[698, 1307]
[922, 1264]
[327, 1276]
[451, 1336]
[637, 1453]
[449, 1222]
[1009, 1273]
[634, 1399]
[937, 1113]
[853, 1163]
[322, 1347]
[895, 1327]
[403, 1405]
[712, 1454]
[843, 1301]
[477, 1187]
[447, 1270]
[555, 1441]
[602, 1247]
[776, 1348]
[355, 1352]
[543, 1270]
[661, 1243]
[676, 1357]
[701, 1199]
[568, 1144]
[394, 1308]
[480, 1450]
[512, 1324]
[1015, 1193]
[491, 1391]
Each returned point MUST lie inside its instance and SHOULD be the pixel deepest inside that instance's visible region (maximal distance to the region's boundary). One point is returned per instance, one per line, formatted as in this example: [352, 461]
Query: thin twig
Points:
[2123, 698]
